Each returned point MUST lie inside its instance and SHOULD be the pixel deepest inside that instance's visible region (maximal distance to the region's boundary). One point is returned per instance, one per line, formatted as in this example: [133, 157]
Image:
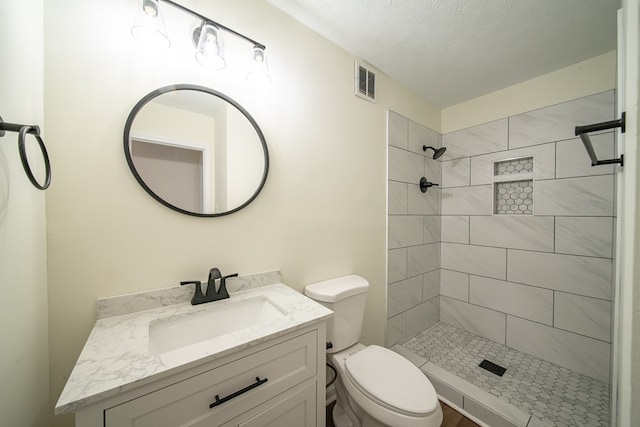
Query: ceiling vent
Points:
[365, 83]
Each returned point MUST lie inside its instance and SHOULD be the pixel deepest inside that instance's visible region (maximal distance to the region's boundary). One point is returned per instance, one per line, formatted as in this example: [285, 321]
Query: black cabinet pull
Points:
[219, 401]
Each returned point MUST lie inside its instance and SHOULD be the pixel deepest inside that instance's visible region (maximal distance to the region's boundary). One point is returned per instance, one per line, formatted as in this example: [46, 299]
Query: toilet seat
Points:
[391, 381]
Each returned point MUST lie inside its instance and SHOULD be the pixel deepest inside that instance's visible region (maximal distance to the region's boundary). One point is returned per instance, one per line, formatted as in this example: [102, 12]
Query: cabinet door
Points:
[295, 408]
[186, 403]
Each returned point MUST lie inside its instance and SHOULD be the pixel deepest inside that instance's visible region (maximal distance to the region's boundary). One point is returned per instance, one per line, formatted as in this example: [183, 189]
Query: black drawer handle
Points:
[219, 401]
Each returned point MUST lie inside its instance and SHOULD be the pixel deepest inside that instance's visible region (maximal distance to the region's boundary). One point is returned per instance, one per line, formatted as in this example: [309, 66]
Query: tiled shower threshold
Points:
[531, 393]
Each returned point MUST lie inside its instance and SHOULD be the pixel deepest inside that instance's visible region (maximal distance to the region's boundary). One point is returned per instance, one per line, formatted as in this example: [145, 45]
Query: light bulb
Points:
[148, 26]
[210, 51]
[258, 73]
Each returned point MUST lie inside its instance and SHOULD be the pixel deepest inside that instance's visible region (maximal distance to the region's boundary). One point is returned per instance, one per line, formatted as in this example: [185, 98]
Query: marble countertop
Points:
[116, 358]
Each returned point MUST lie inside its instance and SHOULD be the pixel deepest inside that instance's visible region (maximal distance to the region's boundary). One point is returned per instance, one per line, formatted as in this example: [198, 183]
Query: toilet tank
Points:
[346, 296]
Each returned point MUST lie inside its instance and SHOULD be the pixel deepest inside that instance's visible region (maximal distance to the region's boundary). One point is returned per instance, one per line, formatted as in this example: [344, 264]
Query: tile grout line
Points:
[553, 309]
[554, 234]
[506, 276]
[537, 322]
[526, 284]
[526, 250]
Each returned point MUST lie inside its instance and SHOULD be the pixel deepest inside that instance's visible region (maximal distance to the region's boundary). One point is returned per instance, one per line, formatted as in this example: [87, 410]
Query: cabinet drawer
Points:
[187, 402]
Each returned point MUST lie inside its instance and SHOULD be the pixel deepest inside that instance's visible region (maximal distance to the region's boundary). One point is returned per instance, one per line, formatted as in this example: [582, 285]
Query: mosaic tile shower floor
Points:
[556, 395]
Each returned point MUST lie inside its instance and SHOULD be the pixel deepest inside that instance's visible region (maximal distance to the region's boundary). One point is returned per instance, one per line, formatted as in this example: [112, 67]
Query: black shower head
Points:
[437, 152]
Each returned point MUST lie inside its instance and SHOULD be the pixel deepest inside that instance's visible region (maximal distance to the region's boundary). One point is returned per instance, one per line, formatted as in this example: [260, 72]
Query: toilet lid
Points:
[392, 380]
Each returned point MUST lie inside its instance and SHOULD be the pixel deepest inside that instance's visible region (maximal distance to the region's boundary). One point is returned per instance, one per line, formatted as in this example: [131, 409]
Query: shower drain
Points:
[492, 367]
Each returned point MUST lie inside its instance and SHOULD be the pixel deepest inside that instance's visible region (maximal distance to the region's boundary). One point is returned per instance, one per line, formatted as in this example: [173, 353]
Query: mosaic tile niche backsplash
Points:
[514, 197]
[538, 280]
[513, 187]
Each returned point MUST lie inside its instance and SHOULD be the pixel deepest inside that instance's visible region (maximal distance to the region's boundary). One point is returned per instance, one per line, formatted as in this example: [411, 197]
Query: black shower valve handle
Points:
[425, 184]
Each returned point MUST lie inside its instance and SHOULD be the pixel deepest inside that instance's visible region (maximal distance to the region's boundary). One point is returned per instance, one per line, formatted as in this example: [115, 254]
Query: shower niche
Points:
[513, 186]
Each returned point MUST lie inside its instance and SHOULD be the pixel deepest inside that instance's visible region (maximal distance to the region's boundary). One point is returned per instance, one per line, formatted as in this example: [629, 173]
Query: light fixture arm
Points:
[220, 26]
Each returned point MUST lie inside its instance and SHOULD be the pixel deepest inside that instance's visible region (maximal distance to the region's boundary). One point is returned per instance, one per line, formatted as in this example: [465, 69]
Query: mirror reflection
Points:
[195, 150]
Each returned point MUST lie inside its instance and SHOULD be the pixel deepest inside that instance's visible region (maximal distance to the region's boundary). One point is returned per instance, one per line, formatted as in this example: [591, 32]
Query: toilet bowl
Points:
[375, 386]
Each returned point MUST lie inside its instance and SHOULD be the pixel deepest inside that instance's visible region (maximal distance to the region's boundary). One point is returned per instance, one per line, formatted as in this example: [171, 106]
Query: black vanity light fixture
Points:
[149, 28]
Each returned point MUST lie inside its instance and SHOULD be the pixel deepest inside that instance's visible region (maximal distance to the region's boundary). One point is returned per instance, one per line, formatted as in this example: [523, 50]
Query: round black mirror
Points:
[195, 150]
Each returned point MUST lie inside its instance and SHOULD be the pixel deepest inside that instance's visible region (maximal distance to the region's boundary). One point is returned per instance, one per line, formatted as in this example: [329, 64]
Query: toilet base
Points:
[340, 418]
[350, 414]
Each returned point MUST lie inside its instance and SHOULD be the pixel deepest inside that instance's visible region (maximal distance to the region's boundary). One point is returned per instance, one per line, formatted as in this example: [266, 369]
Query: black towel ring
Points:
[22, 135]
[23, 130]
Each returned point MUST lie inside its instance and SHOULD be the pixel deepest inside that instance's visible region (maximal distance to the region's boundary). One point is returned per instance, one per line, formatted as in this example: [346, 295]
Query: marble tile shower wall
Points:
[413, 285]
[540, 283]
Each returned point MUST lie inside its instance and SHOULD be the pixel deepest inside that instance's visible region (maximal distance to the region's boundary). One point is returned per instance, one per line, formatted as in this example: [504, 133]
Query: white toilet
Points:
[375, 386]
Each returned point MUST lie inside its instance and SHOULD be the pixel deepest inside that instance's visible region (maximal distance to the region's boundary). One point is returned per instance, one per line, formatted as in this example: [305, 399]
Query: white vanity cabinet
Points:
[280, 382]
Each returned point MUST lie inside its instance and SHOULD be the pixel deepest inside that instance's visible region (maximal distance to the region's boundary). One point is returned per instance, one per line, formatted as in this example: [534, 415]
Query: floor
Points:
[555, 395]
[452, 418]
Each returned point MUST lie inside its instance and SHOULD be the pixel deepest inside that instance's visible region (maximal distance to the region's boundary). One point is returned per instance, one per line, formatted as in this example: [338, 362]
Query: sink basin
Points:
[177, 332]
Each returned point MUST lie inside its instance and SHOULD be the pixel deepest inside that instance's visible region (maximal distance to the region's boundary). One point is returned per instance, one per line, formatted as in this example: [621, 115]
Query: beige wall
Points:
[585, 78]
[321, 214]
[24, 359]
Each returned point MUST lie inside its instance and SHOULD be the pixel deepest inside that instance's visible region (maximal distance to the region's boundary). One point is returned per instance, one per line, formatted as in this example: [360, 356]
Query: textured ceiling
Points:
[449, 51]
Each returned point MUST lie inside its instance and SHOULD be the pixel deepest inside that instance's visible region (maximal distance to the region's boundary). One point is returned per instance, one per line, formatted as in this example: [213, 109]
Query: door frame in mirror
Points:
[149, 97]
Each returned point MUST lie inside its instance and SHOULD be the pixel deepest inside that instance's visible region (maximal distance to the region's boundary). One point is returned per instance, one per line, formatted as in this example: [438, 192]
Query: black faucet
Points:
[211, 294]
